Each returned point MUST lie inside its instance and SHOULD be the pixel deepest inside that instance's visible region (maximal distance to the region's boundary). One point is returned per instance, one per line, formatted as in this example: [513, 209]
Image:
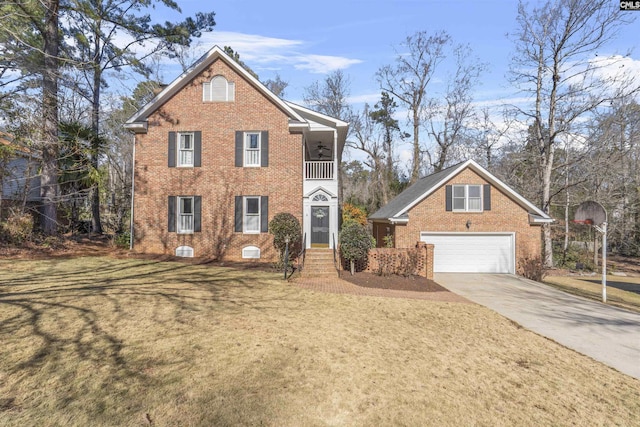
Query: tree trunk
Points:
[353, 267]
[415, 166]
[50, 190]
[565, 247]
[96, 224]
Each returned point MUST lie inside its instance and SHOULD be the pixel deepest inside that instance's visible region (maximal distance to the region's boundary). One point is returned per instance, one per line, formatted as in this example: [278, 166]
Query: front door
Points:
[320, 226]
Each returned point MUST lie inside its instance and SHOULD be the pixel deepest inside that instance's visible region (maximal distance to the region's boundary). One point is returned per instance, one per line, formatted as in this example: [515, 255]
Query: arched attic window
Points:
[218, 89]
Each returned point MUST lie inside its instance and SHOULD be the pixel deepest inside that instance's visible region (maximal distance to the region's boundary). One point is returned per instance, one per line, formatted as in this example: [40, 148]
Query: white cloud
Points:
[323, 64]
[251, 46]
[272, 51]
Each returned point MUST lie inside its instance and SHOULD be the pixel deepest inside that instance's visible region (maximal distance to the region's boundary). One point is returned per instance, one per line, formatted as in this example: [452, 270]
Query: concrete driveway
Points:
[607, 334]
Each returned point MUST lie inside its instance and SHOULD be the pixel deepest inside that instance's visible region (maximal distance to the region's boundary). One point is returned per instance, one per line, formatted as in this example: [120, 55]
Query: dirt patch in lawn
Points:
[399, 283]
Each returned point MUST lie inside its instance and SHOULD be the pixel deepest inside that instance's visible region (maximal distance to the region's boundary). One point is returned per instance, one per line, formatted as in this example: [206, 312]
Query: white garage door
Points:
[472, 252]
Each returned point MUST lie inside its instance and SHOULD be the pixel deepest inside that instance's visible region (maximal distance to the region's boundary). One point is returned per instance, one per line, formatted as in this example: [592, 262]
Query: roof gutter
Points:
[537, 219]
[136, 127]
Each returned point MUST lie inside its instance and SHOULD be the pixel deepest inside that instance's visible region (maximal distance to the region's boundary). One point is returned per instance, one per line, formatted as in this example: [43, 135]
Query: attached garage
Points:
[472, 252]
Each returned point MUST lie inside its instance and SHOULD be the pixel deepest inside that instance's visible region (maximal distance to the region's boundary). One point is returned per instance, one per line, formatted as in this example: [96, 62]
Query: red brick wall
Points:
[505, 215]
[394, 257]
[218, 180]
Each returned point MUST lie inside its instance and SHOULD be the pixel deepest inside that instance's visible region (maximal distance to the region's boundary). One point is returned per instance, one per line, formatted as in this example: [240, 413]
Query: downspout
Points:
[337, 171]
[133, 187]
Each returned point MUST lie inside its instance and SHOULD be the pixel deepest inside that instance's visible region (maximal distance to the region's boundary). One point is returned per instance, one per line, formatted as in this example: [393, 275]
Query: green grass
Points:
[591, 287]
[102, 342]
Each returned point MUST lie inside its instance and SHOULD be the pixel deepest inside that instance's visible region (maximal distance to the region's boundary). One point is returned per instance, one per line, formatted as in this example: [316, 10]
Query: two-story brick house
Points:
[217, 155]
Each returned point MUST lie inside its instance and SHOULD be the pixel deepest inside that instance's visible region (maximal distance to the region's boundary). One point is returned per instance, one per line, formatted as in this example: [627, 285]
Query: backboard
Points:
[592, 212]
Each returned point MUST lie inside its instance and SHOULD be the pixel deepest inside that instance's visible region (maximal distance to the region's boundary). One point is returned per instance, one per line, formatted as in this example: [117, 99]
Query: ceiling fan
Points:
[321, 148]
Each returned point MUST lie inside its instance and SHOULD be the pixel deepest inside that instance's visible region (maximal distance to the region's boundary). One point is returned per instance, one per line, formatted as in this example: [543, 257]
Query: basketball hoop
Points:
[583, 221]
[593, 213]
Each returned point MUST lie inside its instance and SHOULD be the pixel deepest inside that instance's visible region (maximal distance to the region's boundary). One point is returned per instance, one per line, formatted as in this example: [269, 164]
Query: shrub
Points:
[352, 212]
[575, 257]
[18, 228]
[408, 263]
[283, 226]
[355, 242]
[122, 240]
[386, 264]
[388, 241]
[533, 269]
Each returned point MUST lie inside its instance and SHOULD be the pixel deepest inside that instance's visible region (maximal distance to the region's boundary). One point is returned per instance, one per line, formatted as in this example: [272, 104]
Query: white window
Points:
[185, 149]
[218, 89]
[184, 251]
[467, 198]
[251, 252]
[251, 215]
[320, 198]
[252, 149]
[185, 215]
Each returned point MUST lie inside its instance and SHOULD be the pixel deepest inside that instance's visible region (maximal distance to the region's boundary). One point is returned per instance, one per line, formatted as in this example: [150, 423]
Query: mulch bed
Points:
[400, 283]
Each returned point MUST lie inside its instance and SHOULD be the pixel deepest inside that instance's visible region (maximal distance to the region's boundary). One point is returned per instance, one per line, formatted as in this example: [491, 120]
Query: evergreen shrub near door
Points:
[282, 226]
[355, 242]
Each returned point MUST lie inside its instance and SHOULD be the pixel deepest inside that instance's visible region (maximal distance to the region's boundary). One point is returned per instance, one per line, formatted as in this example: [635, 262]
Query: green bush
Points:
[573, 258]
[122, 240]
[355, 242]
[283, 226]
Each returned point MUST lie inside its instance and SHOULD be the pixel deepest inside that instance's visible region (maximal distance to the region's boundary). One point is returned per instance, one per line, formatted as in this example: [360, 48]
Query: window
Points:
[251, 214]
[218, 89]
[185, 149]
[320, 198]
[252, 149]
[251, 218]
[467, 198]
[185, 215]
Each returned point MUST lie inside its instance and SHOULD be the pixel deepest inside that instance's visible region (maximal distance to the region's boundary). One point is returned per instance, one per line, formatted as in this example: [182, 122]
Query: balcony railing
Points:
[319, 170]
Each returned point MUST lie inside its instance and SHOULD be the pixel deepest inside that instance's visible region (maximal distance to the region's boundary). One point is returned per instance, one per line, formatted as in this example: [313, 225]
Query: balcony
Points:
[319, 170]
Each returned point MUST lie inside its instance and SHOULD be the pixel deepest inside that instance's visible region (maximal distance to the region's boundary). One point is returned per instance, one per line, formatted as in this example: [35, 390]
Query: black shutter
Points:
[239, 149]
[238, 215]
[197, 213]
[172, 150]
[197, 149]
[449, 198]
[264, 149]
[172, 214]
[264, 214]
[486, 197]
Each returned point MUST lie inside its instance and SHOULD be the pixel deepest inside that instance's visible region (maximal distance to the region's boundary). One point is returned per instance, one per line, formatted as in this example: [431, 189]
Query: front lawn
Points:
[101, 341]
[622, 292]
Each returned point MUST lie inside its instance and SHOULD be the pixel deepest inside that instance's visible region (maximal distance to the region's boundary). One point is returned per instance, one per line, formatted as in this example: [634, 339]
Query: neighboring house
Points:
[217, 155]
[19, 179]
[475, 221]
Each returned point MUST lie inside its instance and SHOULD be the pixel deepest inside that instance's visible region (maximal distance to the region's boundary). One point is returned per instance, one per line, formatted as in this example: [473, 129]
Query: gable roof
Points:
[138, 122]
[397, 209]
[313, 118]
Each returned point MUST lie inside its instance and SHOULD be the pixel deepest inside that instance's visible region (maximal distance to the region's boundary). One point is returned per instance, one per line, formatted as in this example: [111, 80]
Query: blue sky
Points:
[303, 41]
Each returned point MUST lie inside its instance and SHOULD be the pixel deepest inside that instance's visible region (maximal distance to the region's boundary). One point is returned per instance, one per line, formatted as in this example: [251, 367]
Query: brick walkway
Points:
[336, 285]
